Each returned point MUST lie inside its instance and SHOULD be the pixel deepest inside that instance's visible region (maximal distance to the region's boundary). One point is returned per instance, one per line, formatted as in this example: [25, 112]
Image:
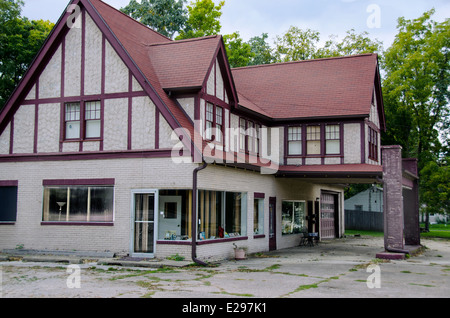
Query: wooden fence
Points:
[364, 221]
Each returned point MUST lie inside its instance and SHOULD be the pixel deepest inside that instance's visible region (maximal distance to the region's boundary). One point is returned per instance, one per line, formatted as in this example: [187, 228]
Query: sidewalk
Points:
[336, 269]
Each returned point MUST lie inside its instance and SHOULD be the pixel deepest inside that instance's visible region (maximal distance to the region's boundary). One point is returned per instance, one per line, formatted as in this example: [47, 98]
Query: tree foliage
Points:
[416, 83]
[164, 16]
[436, 189]
[297, 44]
[203, 19]
[239, 52]
[261, 49]
[20, 40]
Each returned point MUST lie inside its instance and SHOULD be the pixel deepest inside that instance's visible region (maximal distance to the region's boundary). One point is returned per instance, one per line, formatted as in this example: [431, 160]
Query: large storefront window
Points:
[222, 214]
[78, 204]
[293, 217]
[175, 213]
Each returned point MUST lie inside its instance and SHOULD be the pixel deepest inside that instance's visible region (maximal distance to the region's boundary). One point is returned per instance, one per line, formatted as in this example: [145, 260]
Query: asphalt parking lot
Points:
[342, 268]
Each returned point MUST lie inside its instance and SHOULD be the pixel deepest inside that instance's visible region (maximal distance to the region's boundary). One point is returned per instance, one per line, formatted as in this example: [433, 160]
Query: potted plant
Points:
[240, 253]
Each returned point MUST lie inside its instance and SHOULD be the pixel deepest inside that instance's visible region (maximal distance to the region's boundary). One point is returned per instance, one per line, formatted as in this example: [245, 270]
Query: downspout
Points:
[388, 248]
[194, 215]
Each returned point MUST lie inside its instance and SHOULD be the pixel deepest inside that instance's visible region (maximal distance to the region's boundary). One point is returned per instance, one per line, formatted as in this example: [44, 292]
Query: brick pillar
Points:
[393, 198]
[411, 203]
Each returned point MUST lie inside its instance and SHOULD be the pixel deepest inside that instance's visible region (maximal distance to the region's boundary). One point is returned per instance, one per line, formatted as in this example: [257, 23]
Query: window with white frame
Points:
[242, 134]
[295, 141]
[93, 119]
[78, 204]
[214, 123]
[313, 140]
[219, 124]
[373, 144]
[75, 129]
[73, 120]
[250, 136]
[333, 139]
[209, 120]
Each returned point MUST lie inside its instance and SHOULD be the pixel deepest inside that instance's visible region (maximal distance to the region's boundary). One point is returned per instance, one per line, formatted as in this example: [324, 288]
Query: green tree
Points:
[239, 52]
[351, 44]
[436, 187]
[416, 99]
[164, 16]
[416, 94]
[261, 50]
[296, 44]
[203, 20]
[20, 40]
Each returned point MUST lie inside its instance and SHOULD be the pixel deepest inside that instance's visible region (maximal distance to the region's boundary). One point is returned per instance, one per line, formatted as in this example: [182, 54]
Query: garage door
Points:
[327, 215]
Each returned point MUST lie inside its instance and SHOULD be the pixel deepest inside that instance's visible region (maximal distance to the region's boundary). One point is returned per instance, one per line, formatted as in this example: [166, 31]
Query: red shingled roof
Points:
[185, 63]
[341, 86]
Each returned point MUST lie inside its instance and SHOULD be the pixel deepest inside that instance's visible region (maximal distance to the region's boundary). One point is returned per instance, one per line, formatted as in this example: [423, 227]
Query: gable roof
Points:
[185, 63]
[330, 87]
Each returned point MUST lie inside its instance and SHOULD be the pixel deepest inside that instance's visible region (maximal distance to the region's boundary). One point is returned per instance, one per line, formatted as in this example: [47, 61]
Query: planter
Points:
[239, 254]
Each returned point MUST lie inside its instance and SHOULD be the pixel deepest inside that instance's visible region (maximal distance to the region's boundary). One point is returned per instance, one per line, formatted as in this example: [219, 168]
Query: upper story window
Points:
[295, 141]
[73, 120]
[93, 119]
[249, 136]
[373, 144]
[82, 120]
[214, 122]
[333, 139]
[313, 140]
[242, 134]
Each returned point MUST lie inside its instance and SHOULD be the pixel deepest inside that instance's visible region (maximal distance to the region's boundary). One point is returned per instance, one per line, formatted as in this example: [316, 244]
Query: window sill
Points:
[82, 140]
[316, 156]
[223, 240]
[259, 236]
[78, 223]
[7, 223]
[205, 242]
[174, 242]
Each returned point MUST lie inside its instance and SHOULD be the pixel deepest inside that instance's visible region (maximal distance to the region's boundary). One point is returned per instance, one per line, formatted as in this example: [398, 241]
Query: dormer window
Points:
[333, 139]
[295, 141]
[313, 140]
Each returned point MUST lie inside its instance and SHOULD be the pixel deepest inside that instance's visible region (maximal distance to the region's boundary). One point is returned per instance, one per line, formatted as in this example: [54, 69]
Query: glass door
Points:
[144, 224]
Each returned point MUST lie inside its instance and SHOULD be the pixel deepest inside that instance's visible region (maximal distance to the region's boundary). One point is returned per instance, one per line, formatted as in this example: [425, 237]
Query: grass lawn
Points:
[436, 231]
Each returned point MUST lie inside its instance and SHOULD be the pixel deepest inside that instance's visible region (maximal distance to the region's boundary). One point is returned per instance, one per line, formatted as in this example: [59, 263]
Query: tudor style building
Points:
[119, 139]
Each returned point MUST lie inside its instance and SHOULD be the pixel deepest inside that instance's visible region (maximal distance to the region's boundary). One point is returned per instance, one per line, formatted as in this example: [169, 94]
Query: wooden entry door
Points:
[328, 206]
[272, 224]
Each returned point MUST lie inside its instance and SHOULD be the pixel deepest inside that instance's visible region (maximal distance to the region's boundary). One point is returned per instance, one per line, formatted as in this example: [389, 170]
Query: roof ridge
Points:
[184, 40]
[130, 18]
[304, 61]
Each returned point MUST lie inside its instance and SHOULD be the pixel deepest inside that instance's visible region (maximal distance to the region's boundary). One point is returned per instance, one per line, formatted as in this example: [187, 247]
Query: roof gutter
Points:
[194, 214]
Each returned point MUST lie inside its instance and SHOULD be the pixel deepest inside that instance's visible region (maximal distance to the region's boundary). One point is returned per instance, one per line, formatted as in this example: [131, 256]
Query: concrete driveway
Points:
[340, 268]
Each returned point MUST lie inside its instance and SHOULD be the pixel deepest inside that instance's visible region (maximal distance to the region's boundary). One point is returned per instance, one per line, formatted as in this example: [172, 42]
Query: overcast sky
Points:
[329, 17]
